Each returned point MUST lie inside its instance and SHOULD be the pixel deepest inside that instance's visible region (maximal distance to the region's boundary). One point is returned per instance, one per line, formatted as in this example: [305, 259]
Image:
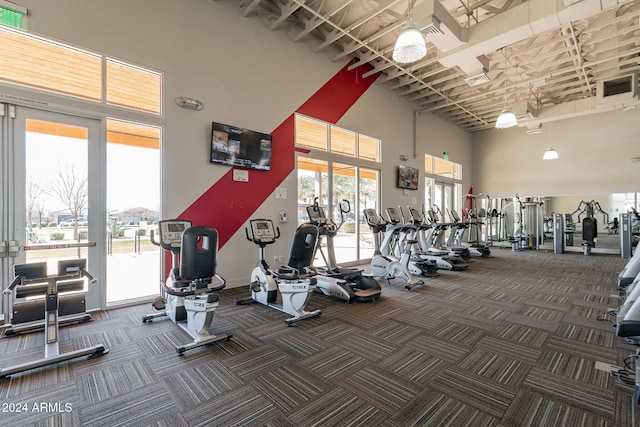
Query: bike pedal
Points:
[158, 303]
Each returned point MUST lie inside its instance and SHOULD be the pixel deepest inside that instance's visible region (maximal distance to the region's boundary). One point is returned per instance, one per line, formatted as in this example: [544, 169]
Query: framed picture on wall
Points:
[408, 177]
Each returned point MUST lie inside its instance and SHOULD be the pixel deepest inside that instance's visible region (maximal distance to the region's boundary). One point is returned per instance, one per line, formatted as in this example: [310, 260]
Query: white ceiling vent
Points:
[619, 88]
[432, 29]
[477, 79]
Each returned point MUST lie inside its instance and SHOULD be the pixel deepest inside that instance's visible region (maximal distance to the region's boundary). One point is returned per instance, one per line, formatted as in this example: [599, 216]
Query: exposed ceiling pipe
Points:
[415, 133]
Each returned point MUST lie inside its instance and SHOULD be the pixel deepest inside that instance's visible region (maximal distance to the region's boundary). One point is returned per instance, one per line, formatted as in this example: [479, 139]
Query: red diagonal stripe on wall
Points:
[228, 204]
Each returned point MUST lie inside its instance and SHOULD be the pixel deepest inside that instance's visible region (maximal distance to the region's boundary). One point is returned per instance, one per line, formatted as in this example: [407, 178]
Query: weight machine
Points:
[45, 301]
[589, 223]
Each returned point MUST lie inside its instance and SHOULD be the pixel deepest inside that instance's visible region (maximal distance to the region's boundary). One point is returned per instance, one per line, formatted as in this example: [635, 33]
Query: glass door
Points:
[367, 198]
[443, 200]
[50, 191]
[331, 183]
[344, 189]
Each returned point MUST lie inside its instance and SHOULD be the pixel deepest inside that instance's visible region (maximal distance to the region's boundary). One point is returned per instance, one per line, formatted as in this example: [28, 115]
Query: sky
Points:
[133, 173]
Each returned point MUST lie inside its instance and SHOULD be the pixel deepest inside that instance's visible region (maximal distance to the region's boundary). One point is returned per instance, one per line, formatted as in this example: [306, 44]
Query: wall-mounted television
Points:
[408, 177]
[239, 147]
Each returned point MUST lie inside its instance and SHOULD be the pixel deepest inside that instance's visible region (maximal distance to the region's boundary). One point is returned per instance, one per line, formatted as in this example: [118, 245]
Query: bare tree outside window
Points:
[70, 187]
[35, 195]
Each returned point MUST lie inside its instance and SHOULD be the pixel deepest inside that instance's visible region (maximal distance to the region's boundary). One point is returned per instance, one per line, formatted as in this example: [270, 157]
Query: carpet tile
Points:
[512, 342]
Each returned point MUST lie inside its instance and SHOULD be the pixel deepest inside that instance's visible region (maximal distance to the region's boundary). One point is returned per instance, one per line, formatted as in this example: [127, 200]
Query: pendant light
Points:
[506, 119]
[410, 46]
[550, 154]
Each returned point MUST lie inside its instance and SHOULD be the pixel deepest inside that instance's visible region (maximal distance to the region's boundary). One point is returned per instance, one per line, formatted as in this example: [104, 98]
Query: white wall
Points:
[390, 118]
[244, 75]
[594, 158]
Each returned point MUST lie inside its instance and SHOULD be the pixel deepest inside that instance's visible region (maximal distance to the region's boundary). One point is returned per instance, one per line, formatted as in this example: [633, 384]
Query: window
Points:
[133, 87]
[343, 142]
[625, 202]
[442, 167]
[311, 134]
[443, 185]
[131, 153]
[341, 165]
[316, 135]
[44, 64]
[133, 208]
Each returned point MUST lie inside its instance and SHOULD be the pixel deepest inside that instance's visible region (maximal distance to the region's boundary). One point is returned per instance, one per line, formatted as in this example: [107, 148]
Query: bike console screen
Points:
[171, 232]
[262, 231]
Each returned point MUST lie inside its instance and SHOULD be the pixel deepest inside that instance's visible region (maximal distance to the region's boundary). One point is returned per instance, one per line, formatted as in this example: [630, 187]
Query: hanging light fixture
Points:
[506, 119]
[410, 46]
[550, 154]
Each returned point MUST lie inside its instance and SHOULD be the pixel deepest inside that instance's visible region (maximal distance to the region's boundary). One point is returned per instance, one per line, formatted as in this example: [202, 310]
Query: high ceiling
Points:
[548, 58]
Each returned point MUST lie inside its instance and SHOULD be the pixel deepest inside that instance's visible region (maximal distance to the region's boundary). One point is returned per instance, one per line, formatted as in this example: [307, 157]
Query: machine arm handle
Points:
[16, 281]
[89, 276]
[348, 209]
[153, 240]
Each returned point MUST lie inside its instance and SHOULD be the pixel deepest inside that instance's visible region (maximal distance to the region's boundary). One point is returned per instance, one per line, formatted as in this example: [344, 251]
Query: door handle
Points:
[14, 248]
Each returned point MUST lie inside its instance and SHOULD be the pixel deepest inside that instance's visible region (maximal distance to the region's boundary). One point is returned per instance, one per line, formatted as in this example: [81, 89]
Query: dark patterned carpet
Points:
[514, 341]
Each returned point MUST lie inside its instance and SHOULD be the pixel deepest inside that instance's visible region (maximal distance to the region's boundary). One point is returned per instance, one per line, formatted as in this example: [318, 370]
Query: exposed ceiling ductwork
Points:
[558, 52]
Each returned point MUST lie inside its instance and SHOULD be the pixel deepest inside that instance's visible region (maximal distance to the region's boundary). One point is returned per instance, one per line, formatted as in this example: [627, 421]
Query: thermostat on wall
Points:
[241, 175]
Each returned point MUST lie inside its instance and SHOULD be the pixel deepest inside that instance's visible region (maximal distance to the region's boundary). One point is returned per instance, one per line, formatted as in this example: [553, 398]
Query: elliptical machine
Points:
[458, 230]
[414, 236]
[187, 297]
[347, 284]
[385, 266]
[294, 282]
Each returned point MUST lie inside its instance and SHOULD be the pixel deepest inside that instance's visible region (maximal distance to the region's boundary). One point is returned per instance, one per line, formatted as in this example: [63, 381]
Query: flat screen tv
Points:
[408, 177]
[239, 147]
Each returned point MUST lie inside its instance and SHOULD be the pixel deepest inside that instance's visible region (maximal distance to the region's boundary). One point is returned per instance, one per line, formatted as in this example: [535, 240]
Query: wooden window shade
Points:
[311, 134]
[343, 142]
[43, 64]
[428, 163]
[35, 62]
[443, 167]
[313, 165]
[369, 148]
[133, 87]
[57, 129]
[132, 134]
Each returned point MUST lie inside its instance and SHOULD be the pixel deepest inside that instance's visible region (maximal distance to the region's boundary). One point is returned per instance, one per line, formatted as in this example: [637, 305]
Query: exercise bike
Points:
[347, 284]
[293, 282]
[386, 266]
[46, 301]
[187, 297]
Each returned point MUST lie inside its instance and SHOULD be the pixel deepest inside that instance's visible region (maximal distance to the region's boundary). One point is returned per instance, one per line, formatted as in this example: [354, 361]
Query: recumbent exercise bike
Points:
[188, 297]
[293, 282]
